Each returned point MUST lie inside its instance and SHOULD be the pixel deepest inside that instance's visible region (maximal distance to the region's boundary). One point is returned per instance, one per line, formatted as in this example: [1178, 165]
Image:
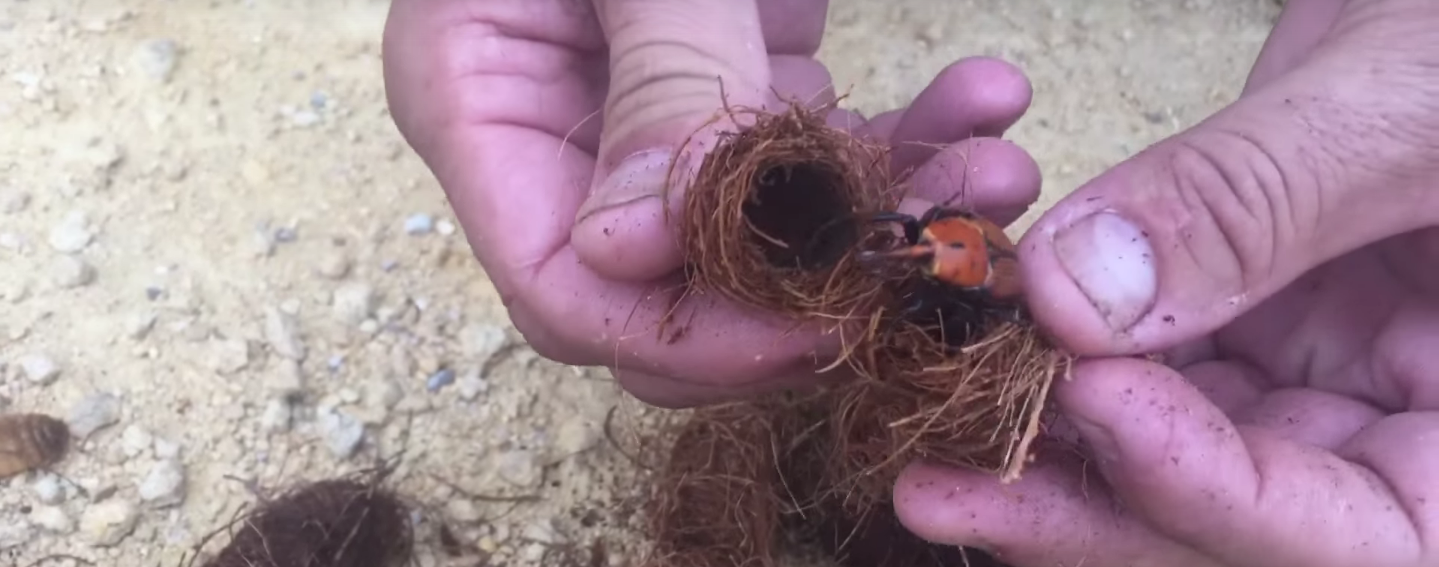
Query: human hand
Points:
[1285, 253]
[503, 99]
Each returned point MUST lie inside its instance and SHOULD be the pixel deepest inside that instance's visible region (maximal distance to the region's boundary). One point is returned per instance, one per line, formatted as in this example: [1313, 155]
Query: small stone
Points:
[70, 272]
[12, 202]
[348, 395]
[534, 552]
[72, 234]
[445, 228]
[281, 331]
[93, 412]
[286, 382]
[15, 535]
[335, 265]
[471, 385]
[228, 356]
[342, 433]
[52, 519]
[482, 341]
[164, 485]
[575, 435]
[542, 531]
[135, 441]
[419, 223]
[156, 59]
[275, 418]
[383, 393]
[139, 325]
[463, 511]
[107, 523]
[166, 449]
[440, 379]
[354, 302]
[520, 467]
[48, 490]
[39, 368]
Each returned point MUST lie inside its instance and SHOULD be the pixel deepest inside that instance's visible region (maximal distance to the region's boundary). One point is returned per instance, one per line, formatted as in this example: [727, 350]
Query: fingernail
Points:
[1111, 261]
[639, 176]
[1101, 442]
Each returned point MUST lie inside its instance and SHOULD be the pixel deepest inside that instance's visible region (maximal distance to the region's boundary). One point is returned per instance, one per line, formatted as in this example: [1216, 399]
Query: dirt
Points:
[215, 256]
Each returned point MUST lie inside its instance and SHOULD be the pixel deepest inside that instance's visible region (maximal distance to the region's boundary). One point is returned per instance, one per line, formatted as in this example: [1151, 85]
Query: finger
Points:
[992, 176]
[625, 245]
[973, 97]
[1312, 417]
[1056, 514]
[1243, 495]
[673, 66]
[881, 127]
[1191, 233]
[1302, 25]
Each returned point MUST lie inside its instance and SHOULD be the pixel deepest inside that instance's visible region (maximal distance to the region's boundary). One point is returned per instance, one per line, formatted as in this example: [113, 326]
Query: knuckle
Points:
[1237, 200]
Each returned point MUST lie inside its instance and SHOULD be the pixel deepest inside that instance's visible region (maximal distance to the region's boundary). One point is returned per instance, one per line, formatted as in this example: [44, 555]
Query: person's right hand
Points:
[1287, 250]
[550, 124]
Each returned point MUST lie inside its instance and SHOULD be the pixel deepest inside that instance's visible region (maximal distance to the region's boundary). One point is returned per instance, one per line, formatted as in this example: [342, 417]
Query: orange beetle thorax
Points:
[961, 252]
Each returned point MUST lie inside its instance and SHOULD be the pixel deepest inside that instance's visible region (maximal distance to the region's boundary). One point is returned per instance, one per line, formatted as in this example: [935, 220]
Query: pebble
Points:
[383, 393]
[419, 223]
[139, 325]
[165, 449]
[228, 356]
[440, 379]
[286, 382]
[575, 435]
[521, 467]
[156, 59]
[70, 272]
[354, 302]
[283, 335]
[134, 441]
[445, 228]
[48, 490]
[52, 519]
[335, 265]
[12, 202]
[107, 523]
[39, 368]
[93, 412]
[164, 485]
[342, 432]
[482, 341]
[72, 234]
[463, 511]
[15, 535]
[471, 385]
[275, 418]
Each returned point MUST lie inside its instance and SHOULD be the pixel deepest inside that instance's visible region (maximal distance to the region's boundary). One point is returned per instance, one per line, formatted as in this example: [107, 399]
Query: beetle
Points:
[968, 268]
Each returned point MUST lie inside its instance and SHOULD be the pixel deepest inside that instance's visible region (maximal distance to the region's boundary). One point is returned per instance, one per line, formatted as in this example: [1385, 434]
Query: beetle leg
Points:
[910, 224]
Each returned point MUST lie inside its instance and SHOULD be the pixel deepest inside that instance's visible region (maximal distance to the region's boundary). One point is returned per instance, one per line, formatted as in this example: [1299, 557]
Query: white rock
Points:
[107, 523]
[92, 412]
[575, 435]
[335, 264]
[166, 449]
[354, 302]
[15, 534]
[287, 381]
[164, 485]
[275, 418]
[156, 59]
[282, 332]
[139, 325]
[13, 201]
[342, 432]
[135, 441]
[71, 272]
[463, 511]
[52, 519]
[48, 490]
[481, 341]
[228, 356]
[471, 385]
[39, 368]
[419, 223]
[72, 234]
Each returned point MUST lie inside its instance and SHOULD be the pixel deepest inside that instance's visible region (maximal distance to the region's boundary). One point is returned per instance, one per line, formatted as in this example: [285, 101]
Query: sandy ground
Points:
[206, 211]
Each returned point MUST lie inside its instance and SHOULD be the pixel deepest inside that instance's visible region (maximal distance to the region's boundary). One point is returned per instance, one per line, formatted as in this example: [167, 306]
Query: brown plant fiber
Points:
[772, 220]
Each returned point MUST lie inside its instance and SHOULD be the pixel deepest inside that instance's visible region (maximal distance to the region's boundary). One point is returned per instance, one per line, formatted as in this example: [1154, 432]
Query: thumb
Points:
[1192, 232]
[667, 64]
